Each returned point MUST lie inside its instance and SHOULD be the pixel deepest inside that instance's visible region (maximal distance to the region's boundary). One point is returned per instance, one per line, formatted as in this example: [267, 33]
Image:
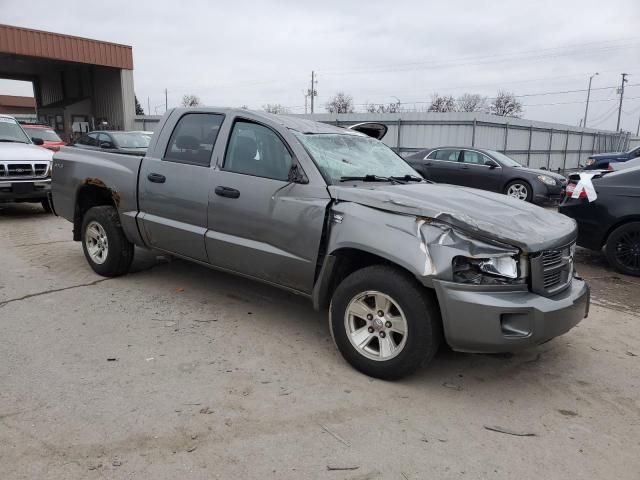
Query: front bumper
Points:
[24, 190]
[492, 319]
[548, 194]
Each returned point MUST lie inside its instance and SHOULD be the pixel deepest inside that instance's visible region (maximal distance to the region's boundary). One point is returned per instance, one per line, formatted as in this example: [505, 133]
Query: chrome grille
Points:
[12, 170]
[552, 270]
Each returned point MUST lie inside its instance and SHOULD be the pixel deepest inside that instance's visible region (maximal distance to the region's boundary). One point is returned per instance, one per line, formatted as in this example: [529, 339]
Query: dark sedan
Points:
[611, 220]
[135, 143]
[601, 161]
[488, 170]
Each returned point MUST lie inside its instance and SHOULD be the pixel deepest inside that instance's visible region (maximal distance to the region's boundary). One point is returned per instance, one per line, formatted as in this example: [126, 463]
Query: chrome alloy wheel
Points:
[97, 243]
[518, 190]
[376, 325]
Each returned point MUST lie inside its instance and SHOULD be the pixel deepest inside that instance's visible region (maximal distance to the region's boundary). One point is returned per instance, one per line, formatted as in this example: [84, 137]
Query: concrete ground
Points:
[175, 371]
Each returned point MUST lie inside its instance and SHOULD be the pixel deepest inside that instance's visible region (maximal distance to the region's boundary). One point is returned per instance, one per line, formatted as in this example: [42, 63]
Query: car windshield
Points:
[131, 140]
[45, 134]
[10, 131]
[503, 159]
[346, 155]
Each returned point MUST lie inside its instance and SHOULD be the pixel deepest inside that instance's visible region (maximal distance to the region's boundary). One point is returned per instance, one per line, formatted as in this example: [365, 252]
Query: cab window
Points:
[257, 150]
[193, 138]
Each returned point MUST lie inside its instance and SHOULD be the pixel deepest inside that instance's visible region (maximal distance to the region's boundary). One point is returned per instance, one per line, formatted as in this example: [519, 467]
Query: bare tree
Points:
[275, 108]
[506, 105]
[444, 103]
[244, 107]
[190, 101]
[340, 103]
[471, 102]
[383, 108]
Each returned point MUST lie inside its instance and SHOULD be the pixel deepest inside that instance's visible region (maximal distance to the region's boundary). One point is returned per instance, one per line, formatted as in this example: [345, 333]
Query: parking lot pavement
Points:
[176, 371]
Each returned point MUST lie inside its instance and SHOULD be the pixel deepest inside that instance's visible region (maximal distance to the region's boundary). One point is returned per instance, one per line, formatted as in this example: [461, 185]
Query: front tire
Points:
[105, 246]
[384, 323]
[623, 249]
[520, 190]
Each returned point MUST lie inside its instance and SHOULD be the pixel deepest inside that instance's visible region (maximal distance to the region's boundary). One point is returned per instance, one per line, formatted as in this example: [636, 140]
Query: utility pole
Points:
[586, 109]
[624, 80]
[306, 97]
[312, 91]
[166, 101]
[148, 106]
[638, 129]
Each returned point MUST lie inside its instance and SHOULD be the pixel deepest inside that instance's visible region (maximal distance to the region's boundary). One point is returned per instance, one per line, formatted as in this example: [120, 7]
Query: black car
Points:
[135, 143]
[612, 220]
[488, 170]
[601, 161]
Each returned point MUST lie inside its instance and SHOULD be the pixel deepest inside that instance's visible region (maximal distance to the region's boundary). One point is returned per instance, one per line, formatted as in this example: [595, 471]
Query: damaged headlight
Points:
[488, 271]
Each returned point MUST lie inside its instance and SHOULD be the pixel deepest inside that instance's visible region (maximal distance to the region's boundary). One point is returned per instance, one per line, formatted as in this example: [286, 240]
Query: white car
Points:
[25, 167]
[617, 166]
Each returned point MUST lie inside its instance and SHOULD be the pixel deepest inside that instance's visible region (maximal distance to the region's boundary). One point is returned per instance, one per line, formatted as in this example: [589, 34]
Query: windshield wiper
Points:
[10, 140]
[373, 178]
[409, 178]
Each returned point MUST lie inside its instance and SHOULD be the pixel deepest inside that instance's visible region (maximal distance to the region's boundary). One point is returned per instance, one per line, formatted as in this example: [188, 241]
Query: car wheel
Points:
[623, 248]
[520, 190]
[384, 323]
[46, 205]
[105, 246]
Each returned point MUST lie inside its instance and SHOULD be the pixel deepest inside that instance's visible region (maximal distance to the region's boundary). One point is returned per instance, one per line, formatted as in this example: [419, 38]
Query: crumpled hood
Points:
[24, 152]
[476, 212]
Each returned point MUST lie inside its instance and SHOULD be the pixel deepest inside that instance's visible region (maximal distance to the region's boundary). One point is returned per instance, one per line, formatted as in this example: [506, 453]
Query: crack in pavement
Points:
[41, 243]
[55, 290]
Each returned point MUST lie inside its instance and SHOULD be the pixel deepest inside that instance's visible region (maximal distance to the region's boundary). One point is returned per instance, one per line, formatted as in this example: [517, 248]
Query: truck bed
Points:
[77, 171]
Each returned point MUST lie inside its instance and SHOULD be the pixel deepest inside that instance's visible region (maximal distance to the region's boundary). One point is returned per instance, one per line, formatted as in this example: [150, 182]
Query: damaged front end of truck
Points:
[483, 255]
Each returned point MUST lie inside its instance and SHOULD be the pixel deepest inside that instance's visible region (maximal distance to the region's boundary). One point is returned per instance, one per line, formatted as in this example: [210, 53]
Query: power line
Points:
[483, 60]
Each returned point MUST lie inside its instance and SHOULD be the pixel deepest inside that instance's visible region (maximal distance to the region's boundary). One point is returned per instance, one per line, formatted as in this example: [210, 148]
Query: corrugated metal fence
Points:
[532, 143]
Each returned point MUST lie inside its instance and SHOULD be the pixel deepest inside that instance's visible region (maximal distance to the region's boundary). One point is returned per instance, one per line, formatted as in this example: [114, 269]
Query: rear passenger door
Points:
[175, 184]
[442, 165]
[260, 223]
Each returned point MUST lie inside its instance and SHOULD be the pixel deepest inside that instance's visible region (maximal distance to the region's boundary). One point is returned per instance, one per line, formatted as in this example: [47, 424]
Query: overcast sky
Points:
[251, 53]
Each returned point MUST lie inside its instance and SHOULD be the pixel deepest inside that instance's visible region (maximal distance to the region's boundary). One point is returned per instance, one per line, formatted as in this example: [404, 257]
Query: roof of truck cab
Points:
[298, 124]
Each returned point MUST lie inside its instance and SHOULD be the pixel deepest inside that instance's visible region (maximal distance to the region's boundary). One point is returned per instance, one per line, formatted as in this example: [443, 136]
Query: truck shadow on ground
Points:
[274, 310]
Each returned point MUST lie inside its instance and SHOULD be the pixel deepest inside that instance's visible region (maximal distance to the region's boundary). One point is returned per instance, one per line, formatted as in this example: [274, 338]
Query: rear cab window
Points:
[193, 138]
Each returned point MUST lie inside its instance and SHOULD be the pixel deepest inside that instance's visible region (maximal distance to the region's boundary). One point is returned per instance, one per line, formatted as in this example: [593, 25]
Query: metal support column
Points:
[529, 147]
[398, 137]
[506, 137]
[473, 134]
[550, 146]
[566, 147]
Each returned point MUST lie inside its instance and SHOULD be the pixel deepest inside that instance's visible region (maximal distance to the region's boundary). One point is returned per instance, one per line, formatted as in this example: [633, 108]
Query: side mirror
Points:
[37, 141]
[296, 175]
[106, 145]
[491, 164]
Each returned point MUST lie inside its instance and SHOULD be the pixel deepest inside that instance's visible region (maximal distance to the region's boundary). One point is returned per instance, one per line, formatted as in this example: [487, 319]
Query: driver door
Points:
[260, 224]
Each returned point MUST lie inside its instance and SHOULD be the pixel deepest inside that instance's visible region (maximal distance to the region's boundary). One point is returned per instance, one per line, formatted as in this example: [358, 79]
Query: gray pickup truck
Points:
[335, 215]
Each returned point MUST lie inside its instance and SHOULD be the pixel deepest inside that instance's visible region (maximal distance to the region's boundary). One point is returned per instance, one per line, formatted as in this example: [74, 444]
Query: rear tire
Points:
[519, 189]
[391, 345]
[623, 249]
[105, 246]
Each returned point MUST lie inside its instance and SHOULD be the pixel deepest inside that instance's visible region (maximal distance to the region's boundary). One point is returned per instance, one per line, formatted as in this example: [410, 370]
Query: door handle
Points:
[156, 178]
[464, 167]
[227, 192]
[428, 164]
